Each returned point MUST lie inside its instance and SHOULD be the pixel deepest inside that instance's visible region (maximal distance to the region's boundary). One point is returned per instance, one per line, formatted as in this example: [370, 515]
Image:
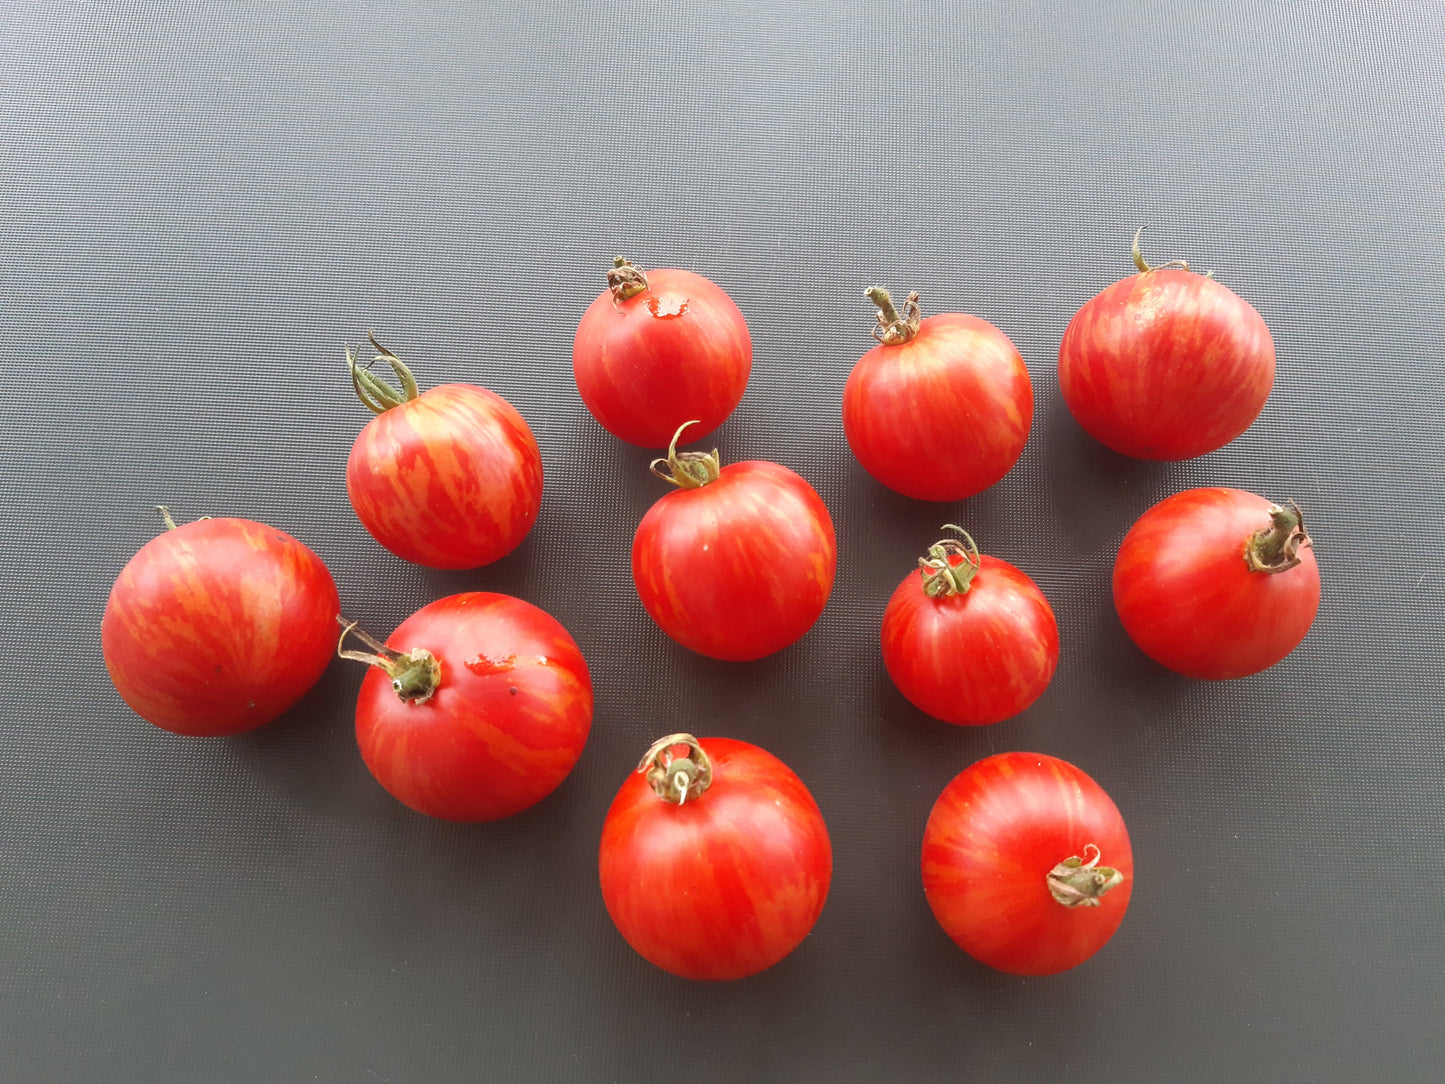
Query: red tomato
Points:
[1217, 583]
[941, 408]
[1166, 364]
[657, 349]
[739, 561]
[476, 707]
[447, 478]
[969, 639]
[1027, 864]
[715, 862]
[218, 626]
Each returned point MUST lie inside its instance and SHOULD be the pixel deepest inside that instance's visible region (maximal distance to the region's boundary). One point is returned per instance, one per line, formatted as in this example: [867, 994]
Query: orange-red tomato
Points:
[491, 724]
[716, 863]
[974, 652]
[941, 408]
[1027, 864]
[218, 626]
[447, 478]
[659, 349]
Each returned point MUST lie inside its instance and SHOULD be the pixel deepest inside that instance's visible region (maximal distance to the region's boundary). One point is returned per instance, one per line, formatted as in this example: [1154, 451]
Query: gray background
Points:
[202, 202]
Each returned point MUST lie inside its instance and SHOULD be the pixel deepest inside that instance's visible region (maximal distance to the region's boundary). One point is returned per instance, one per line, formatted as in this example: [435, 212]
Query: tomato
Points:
[657, 349]
[1027, 864]
[217, 627]
[941, 408]
[738, 562]
[1217, 583]
[968, 638]
[714, 862]
[1166, 364]
[447, 478]
[476, 708]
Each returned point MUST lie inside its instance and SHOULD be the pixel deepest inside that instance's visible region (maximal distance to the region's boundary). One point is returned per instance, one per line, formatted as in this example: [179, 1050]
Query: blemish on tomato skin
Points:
[484, 665]
[667, 306]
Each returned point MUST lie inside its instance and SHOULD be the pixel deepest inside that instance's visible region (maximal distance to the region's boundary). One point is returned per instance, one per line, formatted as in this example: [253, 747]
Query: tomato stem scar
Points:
[1276, 548]
[625, 280]
[1080, 881]
[672, 778]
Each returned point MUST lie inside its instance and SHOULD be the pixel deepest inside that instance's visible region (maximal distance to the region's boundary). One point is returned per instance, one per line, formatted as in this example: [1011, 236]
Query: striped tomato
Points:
[218, 626]
[969, 638]
[714, 861]
[738, 562]
[447, 478]
[1027, 864]
[476, 708]
[1166, 364]
[657, 349]
[941, 408]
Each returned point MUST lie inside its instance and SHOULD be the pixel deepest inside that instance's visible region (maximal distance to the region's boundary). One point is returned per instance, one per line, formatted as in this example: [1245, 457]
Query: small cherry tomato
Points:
[738, 562]
[714, 861]
[447, 478]
[1217, 583]
[941, 408]
[218, 626]
[476, 708]
[1027, 864]
[1166, 364]
[968, 638]
[657, 349]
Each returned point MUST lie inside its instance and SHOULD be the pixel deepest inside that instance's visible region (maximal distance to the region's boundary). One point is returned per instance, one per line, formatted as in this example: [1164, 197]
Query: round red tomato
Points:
[738, 562]
[447, 478]
[1027, 864]
[968, 638]
[941, 408]
[1166, 364]
[1217, 583]
[475, 708]
[715, 861]
[659, 349]
[218, 626]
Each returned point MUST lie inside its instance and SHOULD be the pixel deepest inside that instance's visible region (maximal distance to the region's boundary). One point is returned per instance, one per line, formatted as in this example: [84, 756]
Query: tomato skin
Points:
[451, 479]
[1166, 364]
[943, 416]
[506, 724]
[974, 658]
[993, 836]
[677, 351]
[722, 886]
[218, 626]
[739, 568]
[1187, 599]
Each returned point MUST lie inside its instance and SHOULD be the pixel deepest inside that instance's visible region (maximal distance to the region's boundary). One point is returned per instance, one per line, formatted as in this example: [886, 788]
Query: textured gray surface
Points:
[200, 202]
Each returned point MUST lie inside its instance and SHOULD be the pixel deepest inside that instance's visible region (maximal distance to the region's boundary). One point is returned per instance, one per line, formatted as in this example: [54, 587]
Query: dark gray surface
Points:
[200, 202]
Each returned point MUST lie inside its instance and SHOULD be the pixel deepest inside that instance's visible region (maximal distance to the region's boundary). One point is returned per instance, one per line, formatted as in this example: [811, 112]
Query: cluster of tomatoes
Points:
[714, 858]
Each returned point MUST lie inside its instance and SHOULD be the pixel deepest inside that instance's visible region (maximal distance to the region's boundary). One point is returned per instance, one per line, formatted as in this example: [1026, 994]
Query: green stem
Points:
[893, 329]
[673, 778]
[687, 470]
[166, 517]
[625, 280]
[375, 393]
[414, 675]
[1144, 267]
[1276, 548]
[1075, 882]
[942, 574]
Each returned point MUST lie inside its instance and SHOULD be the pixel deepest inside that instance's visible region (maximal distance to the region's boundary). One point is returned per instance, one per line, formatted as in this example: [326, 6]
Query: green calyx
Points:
[677, 779]
[414, 674]
[1275, 548]
[1079, 882]
[687, 470]
[893, 328]
[625, 280]
[375, 393]
[950, 566]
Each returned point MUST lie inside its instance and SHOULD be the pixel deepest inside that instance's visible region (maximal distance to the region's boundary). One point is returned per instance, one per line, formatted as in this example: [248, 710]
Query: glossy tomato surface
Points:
[738, 568]
[1166, 364]
[218, 626]
[726, 884]
[972, 658]
[994, 835]
[943, 416]
[678, 351]
[506, 723]
[1187, 597]
[450, 479]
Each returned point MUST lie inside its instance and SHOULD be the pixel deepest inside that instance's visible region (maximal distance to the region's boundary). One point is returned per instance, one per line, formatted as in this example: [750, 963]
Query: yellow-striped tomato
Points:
[218, 626]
